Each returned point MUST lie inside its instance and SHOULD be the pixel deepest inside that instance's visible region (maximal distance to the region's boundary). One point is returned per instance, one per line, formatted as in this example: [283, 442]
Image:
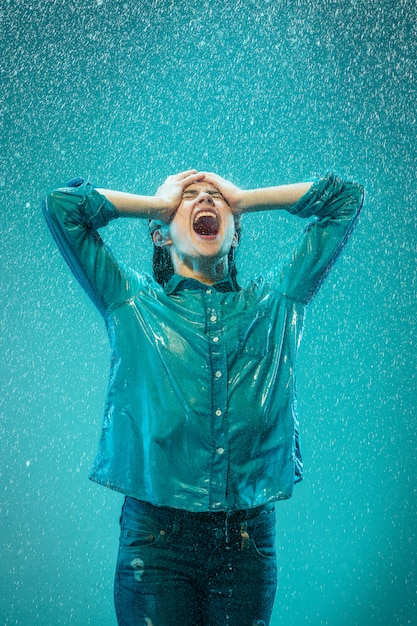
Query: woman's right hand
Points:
[171, 191]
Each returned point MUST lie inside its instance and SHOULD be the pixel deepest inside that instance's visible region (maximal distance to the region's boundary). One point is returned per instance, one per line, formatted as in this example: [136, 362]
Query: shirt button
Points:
[218, 374]
[213, 318]
[218, 412]
[215, 339]
[220, 450]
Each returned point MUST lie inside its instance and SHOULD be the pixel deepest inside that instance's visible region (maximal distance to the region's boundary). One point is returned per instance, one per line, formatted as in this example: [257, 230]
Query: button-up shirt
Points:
[201, 405]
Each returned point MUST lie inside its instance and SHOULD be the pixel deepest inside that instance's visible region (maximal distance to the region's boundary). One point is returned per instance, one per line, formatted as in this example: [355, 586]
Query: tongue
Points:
[206, 225]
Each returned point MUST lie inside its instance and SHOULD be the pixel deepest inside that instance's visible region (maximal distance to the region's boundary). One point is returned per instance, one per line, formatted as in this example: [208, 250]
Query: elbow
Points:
[59, 207]
[62, 201]
[356, 194]
[53, 205]
[49, 205]
[49, 201]
[359, 197]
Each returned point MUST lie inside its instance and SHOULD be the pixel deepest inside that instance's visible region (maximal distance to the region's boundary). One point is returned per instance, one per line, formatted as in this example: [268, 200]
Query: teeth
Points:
[205, 214]
[206, 223]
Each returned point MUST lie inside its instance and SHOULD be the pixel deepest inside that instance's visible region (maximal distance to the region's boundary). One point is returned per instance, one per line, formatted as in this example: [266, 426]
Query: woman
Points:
[200, 430]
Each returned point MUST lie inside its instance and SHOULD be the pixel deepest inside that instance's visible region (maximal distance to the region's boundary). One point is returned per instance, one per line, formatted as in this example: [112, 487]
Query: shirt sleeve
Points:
[335, 206]
[74, 214]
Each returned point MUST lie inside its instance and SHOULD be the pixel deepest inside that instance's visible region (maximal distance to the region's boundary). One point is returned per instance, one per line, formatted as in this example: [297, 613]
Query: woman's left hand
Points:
[231, 193]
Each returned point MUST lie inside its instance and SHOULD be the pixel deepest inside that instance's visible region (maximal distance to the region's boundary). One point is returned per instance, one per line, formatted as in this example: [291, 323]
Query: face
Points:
[203, 226]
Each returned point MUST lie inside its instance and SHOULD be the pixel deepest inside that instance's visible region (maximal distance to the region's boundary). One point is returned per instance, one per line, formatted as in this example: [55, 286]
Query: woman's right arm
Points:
[161, 206]
[134, 205]
[73, 214]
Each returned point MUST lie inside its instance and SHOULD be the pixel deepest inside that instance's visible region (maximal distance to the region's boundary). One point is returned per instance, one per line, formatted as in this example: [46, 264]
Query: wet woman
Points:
[200, 430]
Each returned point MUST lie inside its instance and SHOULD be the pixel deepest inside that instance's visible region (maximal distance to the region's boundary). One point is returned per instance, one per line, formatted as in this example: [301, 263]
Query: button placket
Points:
[218, 364]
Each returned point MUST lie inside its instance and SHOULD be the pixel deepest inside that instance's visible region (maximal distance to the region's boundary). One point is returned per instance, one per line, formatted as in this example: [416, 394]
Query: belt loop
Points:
[244, 541]
[176, 523]
[227, 526]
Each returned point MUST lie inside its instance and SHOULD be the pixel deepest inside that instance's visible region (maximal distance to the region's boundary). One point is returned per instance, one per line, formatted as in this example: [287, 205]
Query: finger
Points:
[179, 176]
[211, 177]
[190, 179]
[186, 174]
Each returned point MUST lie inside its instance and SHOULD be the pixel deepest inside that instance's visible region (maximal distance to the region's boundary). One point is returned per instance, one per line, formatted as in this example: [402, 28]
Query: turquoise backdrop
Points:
[262, 92]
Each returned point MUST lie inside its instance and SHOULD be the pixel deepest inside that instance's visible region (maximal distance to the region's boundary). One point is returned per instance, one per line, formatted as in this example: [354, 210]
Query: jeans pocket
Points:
[264, 550]
[261, 535]
[140, 529]
[144, 537]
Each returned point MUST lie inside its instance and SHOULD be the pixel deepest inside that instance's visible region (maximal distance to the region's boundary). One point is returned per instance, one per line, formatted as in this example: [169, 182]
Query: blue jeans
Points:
[177, 568]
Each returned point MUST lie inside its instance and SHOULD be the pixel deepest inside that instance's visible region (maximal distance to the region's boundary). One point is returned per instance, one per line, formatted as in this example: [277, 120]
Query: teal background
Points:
[262, 92]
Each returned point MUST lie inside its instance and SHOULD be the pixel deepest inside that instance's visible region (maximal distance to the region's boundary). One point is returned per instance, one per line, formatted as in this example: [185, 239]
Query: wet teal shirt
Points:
[201, 404]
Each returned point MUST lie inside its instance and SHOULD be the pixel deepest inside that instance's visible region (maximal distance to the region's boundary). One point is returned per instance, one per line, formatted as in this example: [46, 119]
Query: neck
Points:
[207, 271]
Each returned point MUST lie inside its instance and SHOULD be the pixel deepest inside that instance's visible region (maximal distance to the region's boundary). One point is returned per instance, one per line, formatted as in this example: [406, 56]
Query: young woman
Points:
[200, 430]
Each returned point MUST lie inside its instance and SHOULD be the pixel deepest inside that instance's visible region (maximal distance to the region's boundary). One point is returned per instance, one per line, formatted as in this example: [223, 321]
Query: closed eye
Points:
[189, 194]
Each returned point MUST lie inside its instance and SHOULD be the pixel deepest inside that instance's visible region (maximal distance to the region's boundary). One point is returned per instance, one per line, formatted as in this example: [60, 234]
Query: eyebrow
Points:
[194, 192]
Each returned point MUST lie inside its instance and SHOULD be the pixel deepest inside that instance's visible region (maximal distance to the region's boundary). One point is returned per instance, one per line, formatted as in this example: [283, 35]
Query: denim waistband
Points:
[217, 517]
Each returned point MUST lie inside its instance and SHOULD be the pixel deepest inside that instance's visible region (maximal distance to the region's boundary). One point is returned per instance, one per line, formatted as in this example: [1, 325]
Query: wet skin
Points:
[200, 233]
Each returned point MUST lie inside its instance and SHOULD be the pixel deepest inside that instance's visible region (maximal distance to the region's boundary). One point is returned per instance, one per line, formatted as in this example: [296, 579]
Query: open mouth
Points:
[206, 224]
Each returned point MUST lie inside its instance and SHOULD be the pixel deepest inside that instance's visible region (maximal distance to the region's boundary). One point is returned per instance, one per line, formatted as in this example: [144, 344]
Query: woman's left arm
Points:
[263, 199]
[333, 206]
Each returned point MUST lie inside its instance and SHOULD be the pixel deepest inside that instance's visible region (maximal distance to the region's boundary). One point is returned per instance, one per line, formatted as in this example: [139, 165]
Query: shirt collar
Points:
[179, 283]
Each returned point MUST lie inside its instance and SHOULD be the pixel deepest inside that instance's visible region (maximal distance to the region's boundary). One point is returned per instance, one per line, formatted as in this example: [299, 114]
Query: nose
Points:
[204, 197]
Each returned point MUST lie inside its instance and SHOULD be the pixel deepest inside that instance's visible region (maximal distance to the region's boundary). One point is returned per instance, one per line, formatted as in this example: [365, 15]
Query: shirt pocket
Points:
[254, 334]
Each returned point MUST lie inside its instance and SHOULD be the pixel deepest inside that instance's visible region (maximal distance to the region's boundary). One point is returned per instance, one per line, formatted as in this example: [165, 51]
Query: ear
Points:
[235, 241]
[161, 237]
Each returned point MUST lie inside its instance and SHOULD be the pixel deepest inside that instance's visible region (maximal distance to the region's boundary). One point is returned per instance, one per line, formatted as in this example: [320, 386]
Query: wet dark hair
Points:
[163, 267]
